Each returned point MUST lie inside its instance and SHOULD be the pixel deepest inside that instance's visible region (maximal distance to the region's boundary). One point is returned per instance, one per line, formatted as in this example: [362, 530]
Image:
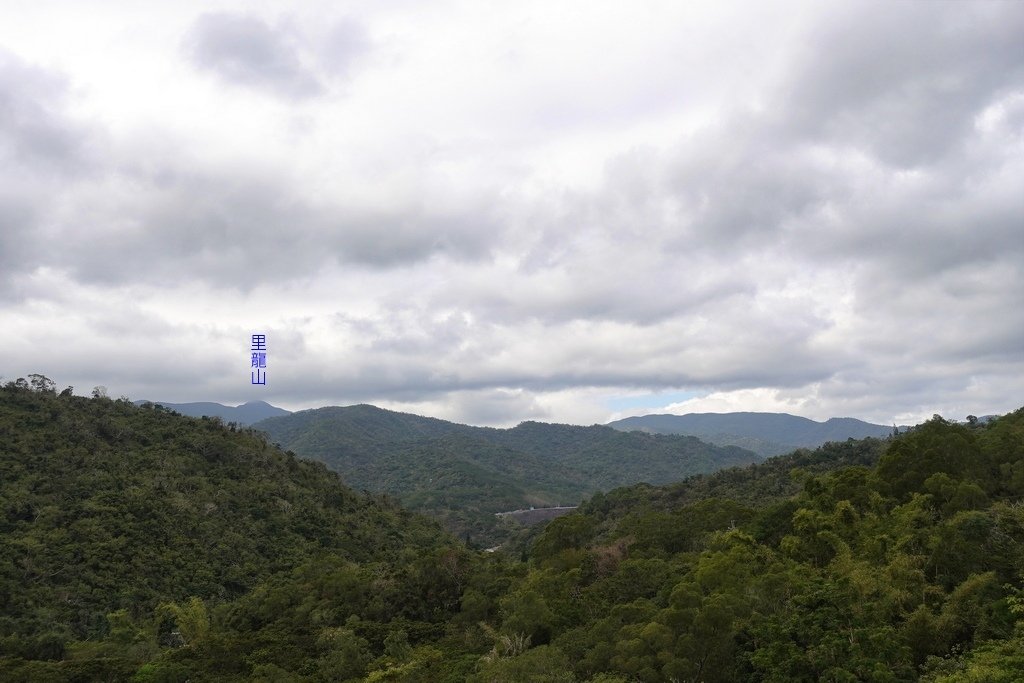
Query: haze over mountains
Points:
[766, 434]
[245, 414]
[462, 475]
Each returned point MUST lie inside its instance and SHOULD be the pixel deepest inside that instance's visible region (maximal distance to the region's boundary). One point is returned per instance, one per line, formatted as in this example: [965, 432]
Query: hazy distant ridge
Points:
[764, 433]
[245, 414]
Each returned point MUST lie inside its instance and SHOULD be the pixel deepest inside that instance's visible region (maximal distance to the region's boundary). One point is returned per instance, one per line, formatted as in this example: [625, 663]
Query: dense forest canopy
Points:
[139, 545]
[462, 475]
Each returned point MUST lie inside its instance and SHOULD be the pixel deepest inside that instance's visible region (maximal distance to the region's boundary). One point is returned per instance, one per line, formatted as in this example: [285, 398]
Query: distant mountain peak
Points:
[460, 472]
[245, 414]
[764, 433]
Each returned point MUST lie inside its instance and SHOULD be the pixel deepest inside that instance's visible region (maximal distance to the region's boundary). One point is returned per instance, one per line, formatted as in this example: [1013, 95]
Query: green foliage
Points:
[544, 664]
[771, 481]
[191, 619]
[995, 661]
[110, 509]
[461, 475]
[345, 654]
[565, 533]
[138, 545]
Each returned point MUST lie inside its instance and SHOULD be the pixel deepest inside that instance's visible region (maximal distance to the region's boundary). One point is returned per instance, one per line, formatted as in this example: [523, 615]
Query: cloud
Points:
[17, 218]
[35, 131]
[502, 407]
[243, 50]
[242, 229]
[345, 43]
[815, 210]
[901, 83]
[41, 148]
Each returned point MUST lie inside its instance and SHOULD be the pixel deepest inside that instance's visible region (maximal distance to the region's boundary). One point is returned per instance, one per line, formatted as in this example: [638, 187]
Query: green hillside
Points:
[462, 474]
[138, 545]
[462, 481]
[107, 507]
[907, 564]
[772, 480]
[609, 458]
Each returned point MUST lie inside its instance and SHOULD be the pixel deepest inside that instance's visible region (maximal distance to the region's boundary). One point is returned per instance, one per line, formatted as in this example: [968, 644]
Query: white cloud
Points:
[516, 212]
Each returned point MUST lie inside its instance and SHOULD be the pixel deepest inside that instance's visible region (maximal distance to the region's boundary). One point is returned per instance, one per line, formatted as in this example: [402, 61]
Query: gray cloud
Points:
[17, 219]
[35, 132]
[903, 81]
[848, 236]
[41, 149]
[242, 229]
[242, 49]
[414, 356]
[345, 44]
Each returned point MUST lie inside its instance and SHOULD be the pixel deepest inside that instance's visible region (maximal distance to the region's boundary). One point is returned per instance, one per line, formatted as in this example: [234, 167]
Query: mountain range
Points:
[245, 414]
[766, 434]
[138, 544]
[463, 474]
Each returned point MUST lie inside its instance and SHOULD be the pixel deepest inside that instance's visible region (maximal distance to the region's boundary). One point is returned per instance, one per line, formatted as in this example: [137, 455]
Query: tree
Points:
[41, 383]
[544, 664]
[526, 612]
[192, 620]
[345, 655]
[396, 646]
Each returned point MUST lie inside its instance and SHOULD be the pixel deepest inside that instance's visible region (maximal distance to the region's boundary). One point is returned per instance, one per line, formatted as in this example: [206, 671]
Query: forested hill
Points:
[138, 545]
[907, 564]
[463, 474]
[109, 508]
[766, 434]
[758, 485]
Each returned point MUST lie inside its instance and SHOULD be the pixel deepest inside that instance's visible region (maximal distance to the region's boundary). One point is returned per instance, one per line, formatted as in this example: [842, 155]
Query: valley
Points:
[141, 545]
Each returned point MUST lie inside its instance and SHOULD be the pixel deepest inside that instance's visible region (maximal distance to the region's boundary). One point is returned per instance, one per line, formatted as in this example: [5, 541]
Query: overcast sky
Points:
[493, 212]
